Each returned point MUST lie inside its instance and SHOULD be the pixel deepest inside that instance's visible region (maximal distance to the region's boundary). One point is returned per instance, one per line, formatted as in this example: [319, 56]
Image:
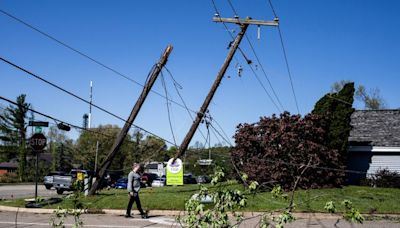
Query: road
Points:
[13, 219]
[24, 191]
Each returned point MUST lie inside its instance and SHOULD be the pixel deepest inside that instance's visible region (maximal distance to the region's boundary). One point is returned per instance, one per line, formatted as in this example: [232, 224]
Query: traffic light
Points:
[63, 127]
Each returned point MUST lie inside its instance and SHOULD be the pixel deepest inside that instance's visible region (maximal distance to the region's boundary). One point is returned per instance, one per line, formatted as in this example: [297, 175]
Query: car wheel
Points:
[60, 191]
[48, 186]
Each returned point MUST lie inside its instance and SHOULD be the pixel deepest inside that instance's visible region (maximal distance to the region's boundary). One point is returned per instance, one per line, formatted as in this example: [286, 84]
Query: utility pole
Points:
[97, 152]
[90, 105]
[243, 23]
[122, 134]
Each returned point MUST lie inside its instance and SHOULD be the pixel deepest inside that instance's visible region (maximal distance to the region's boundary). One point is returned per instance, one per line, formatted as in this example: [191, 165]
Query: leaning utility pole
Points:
[118, 141]
[244, 23]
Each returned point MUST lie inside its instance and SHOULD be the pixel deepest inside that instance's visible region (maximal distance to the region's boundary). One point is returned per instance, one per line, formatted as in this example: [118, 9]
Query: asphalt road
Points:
[13, 219]
[24, 191]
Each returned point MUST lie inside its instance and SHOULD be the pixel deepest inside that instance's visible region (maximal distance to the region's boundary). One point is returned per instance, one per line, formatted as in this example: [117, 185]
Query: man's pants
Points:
[134, 198]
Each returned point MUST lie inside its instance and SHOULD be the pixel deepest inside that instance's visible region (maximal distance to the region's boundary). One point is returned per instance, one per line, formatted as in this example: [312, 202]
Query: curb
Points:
[298, 215]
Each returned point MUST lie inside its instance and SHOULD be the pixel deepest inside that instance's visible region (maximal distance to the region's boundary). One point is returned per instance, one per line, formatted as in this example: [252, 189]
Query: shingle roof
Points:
[8, 165]
[379, 127]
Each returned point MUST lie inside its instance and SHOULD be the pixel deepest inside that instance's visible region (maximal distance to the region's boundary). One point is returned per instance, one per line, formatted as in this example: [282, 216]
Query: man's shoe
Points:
[128, 216]
[144, 216]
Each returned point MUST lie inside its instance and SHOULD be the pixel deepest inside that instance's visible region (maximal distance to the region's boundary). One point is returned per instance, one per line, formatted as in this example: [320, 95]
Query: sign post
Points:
[38, 142]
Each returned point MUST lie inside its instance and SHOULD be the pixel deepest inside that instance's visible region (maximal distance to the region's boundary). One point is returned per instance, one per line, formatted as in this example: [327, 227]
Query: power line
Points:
[86, 56]
[168, 108]
[177, 86]
[340, 100]
[76, 127]
[100, 63]
[227, 141]
[285, 57]
[229, 32]
[223, 132]
[258, 59]
[78, 97]
[247, 60]
[56, 119]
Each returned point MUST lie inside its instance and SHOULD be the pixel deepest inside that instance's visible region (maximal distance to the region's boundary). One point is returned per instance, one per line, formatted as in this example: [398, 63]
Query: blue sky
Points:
[326, 41]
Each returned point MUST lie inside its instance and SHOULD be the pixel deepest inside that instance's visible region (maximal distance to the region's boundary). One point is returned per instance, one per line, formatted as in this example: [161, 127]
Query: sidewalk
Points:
[297, 215]
[35, 217]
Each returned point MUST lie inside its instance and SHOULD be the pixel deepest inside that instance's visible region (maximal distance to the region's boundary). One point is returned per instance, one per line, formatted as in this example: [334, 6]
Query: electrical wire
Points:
[227, 141]
[177, 86]
[223, 132]
[78, 97]
[257, 58]
[96, 61]
[227, 29]
[168, 108]
[58, 120]
[285, 57]
[86, 56]
[247, 60]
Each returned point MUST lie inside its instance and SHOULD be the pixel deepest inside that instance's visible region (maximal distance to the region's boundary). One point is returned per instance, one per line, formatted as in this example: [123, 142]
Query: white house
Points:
[374, 142]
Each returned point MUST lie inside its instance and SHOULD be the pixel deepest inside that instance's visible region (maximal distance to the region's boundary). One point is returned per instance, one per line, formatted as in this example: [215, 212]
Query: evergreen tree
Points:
[13, 131]
[337, 107]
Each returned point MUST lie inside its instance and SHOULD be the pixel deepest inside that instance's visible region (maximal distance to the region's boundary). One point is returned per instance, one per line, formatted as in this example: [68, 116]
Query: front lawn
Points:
[366, 199]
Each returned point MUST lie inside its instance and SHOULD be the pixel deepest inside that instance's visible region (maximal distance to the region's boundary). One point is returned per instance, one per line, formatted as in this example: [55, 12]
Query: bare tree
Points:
[372, 99]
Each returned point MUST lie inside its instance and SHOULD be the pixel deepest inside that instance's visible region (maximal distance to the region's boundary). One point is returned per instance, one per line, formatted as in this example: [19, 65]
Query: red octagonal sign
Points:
[38, 141]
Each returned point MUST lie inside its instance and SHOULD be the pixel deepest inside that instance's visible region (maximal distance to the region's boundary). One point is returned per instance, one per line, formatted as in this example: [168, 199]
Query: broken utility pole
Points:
[244, 23]
[122, 134]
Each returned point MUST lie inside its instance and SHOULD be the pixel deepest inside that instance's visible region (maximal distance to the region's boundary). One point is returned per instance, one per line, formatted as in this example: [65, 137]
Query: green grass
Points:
[366, 199]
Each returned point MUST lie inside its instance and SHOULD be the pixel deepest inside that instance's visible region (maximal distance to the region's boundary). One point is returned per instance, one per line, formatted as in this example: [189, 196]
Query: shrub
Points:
[273, 149]
[9, 178]
[385, 178]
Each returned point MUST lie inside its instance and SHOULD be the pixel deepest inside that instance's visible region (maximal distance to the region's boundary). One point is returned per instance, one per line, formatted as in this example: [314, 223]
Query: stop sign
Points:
[38, 141]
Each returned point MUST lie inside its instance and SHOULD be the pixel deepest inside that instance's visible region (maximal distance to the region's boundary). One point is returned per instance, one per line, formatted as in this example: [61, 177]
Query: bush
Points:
[273, 150]
[9, 178]
[385, 179]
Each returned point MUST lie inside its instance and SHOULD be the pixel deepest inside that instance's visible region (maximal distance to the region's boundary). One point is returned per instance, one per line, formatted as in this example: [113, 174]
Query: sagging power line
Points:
[78, 97]
[64, 44]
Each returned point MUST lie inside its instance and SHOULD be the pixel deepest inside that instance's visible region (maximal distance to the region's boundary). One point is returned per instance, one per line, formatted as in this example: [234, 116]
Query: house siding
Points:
[389, 162]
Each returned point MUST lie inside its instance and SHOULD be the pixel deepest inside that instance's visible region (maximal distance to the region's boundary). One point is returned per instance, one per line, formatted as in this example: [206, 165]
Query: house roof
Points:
[8, 165]
[376, 127]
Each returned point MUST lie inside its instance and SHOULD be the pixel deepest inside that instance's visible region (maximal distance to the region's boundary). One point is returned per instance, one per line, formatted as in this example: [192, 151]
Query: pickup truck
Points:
[65, 182]
[48, 180]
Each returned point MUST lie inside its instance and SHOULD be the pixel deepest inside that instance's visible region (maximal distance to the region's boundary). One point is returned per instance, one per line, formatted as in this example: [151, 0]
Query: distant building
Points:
[8, 167]
[374, 143]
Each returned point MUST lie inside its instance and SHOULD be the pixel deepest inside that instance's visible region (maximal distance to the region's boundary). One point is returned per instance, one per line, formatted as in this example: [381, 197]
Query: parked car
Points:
[147, 178]
[203, 179]
[158, 182]
[189, 179]
[121, 183]
[49, 178]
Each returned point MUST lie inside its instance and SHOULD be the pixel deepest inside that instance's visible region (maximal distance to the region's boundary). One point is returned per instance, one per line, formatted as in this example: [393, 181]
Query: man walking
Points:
[133, 190]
